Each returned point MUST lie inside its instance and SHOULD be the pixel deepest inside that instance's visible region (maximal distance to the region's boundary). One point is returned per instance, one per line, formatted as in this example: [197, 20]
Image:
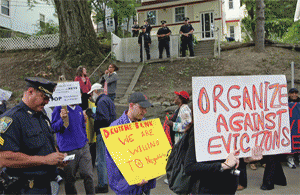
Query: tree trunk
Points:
[116, 19]
[78, 44]
[260, 26]
[104, 21]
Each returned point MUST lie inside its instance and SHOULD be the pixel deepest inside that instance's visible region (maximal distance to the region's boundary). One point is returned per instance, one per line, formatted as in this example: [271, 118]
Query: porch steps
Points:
[204, 48]
[128, 75]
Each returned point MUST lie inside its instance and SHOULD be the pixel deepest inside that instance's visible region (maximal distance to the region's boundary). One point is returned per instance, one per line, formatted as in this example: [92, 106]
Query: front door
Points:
[207, 25]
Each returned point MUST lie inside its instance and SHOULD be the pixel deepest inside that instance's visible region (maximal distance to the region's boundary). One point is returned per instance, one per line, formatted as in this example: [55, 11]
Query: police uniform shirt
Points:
[135, 32]
[186, 28]
[29, 132]
[147, 38]
[163, 31]
[148, 28]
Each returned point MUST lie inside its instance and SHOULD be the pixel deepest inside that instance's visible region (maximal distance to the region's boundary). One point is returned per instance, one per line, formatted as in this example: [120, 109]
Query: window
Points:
[232, 31]
[5, 7]
[109, 22]
[179, 14]
[42, 20]
[230, 4]
[151, 17]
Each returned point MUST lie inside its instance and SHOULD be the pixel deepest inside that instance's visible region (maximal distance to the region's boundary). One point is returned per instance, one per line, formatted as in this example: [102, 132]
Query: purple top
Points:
[116, 180]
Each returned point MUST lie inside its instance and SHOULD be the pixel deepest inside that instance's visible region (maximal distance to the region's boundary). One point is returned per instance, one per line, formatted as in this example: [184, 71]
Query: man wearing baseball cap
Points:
[293, 95]
[138, 104]
[182, 116]
[104, 116]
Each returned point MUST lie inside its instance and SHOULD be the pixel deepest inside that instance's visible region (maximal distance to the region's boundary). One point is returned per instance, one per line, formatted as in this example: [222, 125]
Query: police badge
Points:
[5, 122]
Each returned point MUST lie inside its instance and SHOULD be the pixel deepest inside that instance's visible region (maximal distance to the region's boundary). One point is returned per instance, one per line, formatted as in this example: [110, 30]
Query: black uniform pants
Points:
[147, 49]
[273, 172]
[184, 45]
[161, 45]
[243, 173]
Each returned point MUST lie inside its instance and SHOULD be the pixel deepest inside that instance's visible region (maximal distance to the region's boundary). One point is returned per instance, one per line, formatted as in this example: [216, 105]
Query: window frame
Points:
[184, 13]
[109, 22]
[5, 7]
[230, 4]
[155, 11]
[230, 33]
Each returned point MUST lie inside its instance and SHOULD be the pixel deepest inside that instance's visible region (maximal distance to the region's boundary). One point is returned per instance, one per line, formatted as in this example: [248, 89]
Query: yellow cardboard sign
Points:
[139, 149]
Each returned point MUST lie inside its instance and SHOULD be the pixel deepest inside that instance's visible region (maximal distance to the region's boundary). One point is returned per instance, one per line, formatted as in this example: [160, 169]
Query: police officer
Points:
[148, 26]
[135, 29]
[26, 131]
[163, 35]
[186, 32]
[2, 106]
[147, 42]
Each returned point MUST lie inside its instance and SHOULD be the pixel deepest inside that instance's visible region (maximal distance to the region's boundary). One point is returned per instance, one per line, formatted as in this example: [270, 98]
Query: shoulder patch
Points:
[5, 122]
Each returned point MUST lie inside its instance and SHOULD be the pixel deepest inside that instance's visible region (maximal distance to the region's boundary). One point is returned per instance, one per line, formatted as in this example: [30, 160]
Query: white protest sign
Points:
[4, 94]
[66, 93]
[239, 112]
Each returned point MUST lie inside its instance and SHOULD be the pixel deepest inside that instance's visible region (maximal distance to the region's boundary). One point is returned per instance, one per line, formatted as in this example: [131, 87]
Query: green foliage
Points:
[162, 69]
[278, 17]
[48, 28]
[292, 35]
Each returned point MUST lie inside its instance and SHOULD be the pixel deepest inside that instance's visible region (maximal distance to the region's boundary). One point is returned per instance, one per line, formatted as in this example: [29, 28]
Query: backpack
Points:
[179, 182]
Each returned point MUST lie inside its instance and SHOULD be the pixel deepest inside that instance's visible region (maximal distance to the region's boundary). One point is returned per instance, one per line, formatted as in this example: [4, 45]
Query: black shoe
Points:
[99, 190]
[280, 184]
[264, 187]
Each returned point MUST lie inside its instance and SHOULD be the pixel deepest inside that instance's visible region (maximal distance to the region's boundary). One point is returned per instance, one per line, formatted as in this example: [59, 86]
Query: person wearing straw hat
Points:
[104, 116]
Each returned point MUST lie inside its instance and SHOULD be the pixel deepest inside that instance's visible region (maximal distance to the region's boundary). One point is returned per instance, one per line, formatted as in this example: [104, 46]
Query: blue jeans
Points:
[101, 162]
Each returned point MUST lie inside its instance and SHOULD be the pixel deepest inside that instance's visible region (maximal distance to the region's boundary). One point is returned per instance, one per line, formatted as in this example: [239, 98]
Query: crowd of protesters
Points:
[69, 125]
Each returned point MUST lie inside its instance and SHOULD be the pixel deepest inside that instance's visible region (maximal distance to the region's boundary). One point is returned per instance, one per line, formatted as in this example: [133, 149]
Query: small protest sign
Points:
[66, 93]
[239, 112]
[294, 109]
[138, 149]
[4, 95]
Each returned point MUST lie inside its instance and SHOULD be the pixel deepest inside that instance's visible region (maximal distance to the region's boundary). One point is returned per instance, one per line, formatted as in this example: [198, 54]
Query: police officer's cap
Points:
[163, 22]
[186, 19]
[44, 85]
[143, 27]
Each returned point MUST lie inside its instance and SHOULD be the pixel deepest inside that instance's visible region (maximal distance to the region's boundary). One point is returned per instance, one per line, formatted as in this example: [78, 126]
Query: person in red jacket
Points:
[85, 86]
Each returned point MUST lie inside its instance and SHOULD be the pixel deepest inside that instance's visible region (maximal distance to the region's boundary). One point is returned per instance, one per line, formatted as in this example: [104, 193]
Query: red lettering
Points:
[255, 96]
[276, 86]
[235, 135]
[137, 125]
[294, 141]
[227, 146]
[216, 98]
[245, 135]
[237, 122]
[247, 122]
[213, 146]
[106, 133]
[223, 123]
[268, 118]
[127, 139]
[235, 98]
[260, 120]
[246, 99]
[282, 95]
[291, 109]
[200, 103]
[268, 139]
[286, 137]
[266, 95]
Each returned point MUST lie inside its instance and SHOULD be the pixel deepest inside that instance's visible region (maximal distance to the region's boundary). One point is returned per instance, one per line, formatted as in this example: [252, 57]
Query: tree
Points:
[78, 44]
[260, 26]
[99, 7]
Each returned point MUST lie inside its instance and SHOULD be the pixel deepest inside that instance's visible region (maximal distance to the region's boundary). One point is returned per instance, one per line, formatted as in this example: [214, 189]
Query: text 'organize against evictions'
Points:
[138, 149]
[239, 113]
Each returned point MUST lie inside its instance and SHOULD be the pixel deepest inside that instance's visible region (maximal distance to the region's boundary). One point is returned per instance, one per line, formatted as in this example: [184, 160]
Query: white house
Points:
[205, 16]
[110, 24]
[15, 15]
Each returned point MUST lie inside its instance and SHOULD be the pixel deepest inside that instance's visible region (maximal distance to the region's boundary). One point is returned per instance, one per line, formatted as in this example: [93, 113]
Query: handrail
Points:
[100, 64]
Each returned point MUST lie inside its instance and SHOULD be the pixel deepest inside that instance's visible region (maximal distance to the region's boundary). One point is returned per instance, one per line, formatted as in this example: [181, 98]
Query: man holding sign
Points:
[138, 104]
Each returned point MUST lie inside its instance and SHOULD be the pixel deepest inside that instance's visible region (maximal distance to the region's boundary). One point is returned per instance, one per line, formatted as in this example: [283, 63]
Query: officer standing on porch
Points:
[163, 35]
[147, 42]
[148, 26]
[25, 130]
[186, 32]
[135, 29]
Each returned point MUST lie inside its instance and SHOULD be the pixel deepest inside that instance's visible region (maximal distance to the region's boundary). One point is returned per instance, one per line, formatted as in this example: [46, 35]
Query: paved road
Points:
[254, 183]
